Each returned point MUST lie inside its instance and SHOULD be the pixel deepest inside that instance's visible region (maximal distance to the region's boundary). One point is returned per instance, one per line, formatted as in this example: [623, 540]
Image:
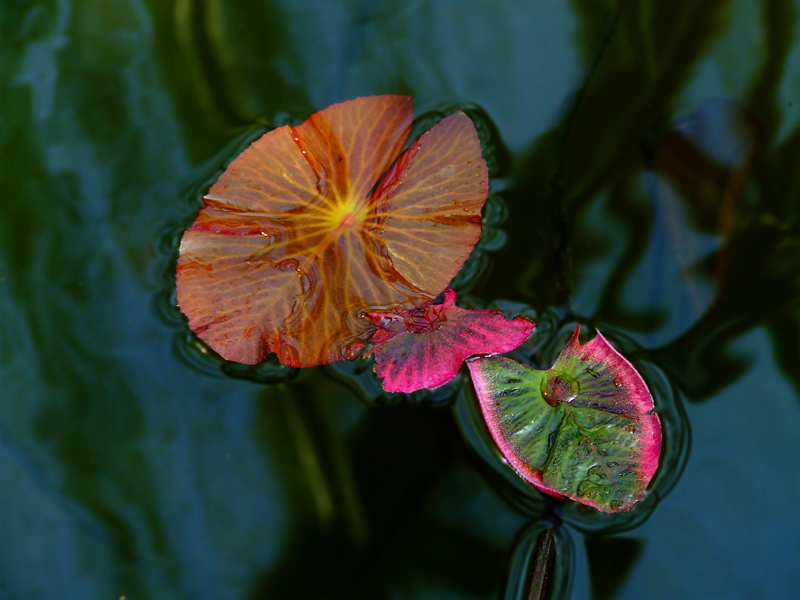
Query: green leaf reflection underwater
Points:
[293, 254]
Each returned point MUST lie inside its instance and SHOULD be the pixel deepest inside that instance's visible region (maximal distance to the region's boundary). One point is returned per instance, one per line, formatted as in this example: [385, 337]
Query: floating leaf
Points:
[583, 429]
[424, 347]
[291, 248]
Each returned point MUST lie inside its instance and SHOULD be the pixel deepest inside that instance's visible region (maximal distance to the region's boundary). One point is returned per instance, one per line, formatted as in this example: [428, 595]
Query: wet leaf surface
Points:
[424, 347]
[290, 247]
[583, 429]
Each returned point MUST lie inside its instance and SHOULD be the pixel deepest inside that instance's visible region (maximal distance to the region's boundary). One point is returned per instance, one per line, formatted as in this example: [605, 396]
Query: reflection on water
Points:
[716, 222]
[628, 192]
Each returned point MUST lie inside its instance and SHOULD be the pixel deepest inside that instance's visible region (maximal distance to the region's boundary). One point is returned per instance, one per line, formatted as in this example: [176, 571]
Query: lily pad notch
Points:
[585, 429]
[291, 250]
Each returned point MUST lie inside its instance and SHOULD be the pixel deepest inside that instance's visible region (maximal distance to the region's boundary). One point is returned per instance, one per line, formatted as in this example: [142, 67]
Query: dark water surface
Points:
[645, 162]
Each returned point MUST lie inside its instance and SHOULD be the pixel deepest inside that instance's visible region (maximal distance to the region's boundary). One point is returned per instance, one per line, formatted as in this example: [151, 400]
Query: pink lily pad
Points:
[584, 429]
[424, 347]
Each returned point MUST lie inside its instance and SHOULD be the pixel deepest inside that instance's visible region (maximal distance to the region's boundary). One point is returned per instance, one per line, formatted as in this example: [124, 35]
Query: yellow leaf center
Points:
[349, 214]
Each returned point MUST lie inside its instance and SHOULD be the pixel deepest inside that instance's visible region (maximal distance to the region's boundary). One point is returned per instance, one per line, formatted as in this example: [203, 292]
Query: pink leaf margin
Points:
[424, 347]
[523, 469]
[631, 384]
[626, 378]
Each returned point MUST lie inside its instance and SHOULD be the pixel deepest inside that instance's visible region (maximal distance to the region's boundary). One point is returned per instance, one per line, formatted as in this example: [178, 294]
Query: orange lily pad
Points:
[293, 247]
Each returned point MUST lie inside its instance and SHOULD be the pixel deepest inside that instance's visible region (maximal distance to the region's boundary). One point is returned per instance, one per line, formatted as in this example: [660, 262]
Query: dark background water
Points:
[646, 158]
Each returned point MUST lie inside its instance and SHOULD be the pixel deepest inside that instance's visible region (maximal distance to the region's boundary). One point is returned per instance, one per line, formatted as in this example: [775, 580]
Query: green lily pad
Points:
[584, 429]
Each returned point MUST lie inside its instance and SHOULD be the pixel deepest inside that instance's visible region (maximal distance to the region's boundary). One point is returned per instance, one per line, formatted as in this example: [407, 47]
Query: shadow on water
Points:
[227, 70]
[368, 517]
[610, 561]
[564, 173]
[760, 283]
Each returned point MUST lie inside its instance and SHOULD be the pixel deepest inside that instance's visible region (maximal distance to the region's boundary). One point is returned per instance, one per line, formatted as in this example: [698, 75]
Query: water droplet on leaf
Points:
[559, 388]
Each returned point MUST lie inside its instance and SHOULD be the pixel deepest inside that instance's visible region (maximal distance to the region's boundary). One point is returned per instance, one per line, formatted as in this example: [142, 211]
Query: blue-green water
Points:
[644, 180]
